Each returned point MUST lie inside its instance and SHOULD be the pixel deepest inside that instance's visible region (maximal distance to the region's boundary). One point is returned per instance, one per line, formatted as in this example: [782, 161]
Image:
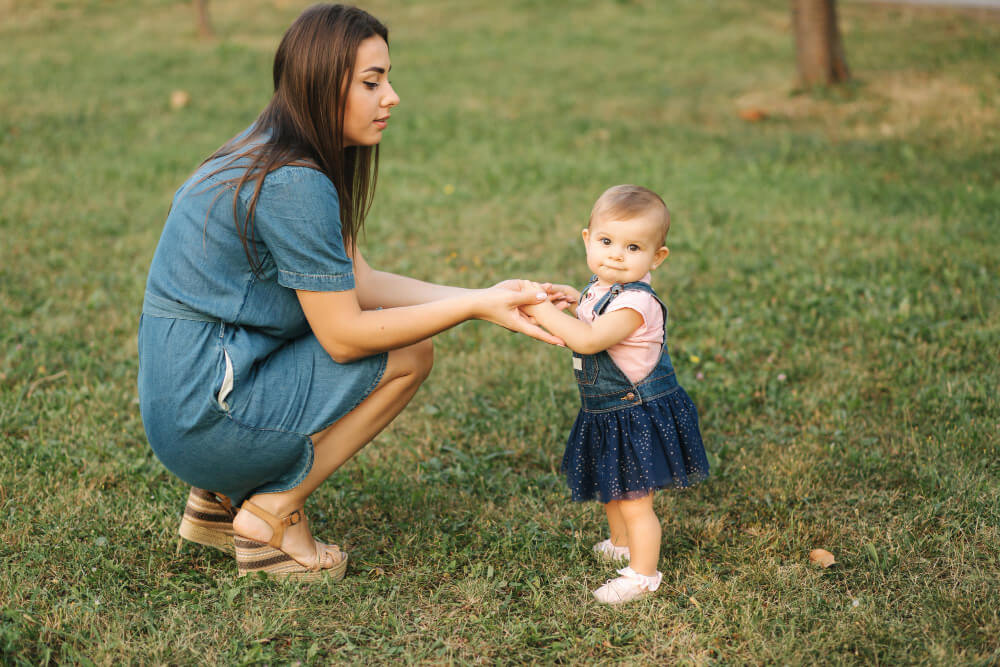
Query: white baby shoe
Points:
[628, 587]
[607, 551]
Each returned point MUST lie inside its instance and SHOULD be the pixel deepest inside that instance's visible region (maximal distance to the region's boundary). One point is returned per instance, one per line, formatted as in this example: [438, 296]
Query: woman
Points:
[270, 351]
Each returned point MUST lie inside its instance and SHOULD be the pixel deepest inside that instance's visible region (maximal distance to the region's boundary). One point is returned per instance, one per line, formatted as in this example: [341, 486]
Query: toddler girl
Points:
[637, 430]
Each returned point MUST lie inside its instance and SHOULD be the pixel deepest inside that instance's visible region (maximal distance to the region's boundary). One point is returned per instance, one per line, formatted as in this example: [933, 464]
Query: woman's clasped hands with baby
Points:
[506, 303]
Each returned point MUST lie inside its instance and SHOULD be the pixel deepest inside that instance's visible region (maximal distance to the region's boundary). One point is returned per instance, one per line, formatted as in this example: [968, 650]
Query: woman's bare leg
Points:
[406, 369]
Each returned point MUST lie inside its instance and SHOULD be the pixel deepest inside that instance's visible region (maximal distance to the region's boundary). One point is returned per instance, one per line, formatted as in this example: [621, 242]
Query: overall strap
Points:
[583, 292]
[618, 288]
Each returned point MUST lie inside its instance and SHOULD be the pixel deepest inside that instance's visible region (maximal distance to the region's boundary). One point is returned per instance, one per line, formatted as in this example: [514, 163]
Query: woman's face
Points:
[369, 95]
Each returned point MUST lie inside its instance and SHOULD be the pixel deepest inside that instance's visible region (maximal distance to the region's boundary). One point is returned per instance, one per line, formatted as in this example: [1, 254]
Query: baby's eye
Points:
[606, 241]
[633, 247]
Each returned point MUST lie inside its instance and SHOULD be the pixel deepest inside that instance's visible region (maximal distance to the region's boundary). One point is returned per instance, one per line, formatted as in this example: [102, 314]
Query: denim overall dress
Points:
[631, 438]
[232, 381]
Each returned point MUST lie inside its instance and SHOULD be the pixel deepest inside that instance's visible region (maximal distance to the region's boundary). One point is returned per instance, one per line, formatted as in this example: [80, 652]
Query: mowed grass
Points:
[833, 287]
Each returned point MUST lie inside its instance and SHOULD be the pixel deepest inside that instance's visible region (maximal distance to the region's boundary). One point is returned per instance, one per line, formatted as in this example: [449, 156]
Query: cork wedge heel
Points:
[208, 520]
[253, 556]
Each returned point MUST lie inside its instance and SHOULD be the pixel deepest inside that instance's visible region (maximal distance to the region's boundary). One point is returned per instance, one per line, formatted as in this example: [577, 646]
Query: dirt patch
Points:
[886, 104]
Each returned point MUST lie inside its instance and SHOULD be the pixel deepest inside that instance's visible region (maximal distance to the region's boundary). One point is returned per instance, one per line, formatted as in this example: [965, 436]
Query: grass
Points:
[834, 293]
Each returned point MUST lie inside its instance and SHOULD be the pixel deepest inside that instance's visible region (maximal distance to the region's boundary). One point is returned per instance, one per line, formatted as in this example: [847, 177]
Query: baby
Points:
[637, 430]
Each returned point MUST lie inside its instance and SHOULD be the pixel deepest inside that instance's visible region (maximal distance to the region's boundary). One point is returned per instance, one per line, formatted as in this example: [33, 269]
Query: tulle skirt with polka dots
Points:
[628, 453]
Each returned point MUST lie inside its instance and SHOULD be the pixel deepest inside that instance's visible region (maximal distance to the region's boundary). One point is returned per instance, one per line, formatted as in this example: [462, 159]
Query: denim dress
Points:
[232, 381]
[631, 438]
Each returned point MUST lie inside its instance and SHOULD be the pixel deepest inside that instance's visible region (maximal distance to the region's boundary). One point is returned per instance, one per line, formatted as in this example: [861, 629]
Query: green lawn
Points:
[834, 286]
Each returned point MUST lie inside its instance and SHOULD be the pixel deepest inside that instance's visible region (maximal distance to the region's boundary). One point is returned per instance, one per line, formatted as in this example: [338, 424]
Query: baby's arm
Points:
[562, 296]
[583, 338]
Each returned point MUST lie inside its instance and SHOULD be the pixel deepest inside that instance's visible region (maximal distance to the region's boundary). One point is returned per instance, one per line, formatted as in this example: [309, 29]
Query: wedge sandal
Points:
[208, 520]
[253, 556]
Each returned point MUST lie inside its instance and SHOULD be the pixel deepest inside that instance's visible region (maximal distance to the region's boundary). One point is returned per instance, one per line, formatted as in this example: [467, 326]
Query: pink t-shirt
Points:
[636, 355]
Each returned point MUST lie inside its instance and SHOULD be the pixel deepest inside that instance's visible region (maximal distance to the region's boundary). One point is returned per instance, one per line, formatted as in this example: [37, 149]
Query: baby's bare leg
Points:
[616, 523]
[643, 528]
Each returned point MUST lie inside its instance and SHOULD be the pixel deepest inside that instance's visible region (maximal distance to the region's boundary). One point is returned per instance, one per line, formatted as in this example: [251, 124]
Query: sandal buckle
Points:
[225, 502]
[293, 518]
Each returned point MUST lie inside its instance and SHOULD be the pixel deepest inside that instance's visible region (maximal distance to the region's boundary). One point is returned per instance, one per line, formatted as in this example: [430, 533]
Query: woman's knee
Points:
[423, 353]
[413, 361]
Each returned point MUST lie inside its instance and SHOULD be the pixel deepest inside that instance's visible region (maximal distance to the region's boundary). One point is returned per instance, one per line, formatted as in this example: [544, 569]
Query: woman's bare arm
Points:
[381, 289]
[348, 332]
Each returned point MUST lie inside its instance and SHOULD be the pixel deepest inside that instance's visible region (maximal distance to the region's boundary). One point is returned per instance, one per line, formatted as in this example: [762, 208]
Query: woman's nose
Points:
[391, 99]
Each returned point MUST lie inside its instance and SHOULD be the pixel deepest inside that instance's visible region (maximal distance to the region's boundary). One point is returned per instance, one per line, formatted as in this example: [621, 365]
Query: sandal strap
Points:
[277, 524]
[226, 503]
[322, 549]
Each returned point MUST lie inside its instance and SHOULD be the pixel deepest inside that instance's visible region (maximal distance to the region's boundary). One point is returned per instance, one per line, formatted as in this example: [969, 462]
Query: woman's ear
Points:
[660, 255]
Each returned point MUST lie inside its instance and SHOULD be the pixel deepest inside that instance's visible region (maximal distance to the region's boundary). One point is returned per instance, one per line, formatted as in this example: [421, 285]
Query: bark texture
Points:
[818, 46]
[204, 23]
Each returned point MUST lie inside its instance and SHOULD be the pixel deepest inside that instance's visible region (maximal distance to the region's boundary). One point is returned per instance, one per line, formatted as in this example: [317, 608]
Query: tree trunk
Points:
[204, 24]
[819, 49]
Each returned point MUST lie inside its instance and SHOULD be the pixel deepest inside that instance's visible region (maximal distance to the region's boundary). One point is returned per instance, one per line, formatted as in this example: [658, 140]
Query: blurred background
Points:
[833, 291]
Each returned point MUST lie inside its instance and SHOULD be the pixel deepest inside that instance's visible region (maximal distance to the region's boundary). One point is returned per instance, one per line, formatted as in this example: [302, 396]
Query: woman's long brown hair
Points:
[303, 123]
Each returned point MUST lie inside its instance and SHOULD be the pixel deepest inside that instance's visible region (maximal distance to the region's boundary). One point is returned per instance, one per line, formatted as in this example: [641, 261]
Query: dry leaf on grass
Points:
[821, 557]
[179, 99]
[753, 115]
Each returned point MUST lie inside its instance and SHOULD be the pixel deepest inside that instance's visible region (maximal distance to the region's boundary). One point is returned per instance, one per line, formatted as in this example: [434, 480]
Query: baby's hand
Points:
[531, 311]
[562, 296]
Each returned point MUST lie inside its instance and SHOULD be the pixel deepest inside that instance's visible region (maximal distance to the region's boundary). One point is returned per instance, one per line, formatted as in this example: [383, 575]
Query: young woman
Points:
[270, 351]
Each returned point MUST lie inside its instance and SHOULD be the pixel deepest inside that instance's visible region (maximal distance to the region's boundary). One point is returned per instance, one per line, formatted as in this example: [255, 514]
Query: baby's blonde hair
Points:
[624, 202]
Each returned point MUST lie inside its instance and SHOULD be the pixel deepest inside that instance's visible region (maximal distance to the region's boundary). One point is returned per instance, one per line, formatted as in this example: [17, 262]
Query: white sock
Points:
[618, 551]
[650, 583]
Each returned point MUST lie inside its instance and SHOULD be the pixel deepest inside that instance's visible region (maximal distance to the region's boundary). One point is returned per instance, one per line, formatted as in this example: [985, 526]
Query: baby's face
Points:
[623, 251]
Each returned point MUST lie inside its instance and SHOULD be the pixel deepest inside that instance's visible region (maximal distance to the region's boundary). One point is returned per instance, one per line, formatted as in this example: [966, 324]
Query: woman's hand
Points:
[534, 311]
[561, 296]
[501, 305]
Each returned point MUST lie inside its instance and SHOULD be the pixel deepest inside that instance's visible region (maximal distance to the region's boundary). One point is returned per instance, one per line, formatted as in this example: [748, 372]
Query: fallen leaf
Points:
[753, 115]
[821, 557]
[179, 99]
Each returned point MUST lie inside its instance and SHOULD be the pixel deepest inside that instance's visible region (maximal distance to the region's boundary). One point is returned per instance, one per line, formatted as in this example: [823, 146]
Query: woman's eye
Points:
[371, 85]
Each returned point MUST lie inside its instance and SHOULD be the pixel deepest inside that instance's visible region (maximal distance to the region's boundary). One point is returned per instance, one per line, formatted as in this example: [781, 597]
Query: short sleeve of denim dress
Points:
[232, 381]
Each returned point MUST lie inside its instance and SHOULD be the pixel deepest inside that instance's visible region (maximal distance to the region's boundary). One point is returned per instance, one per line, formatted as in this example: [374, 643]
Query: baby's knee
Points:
[637, 508]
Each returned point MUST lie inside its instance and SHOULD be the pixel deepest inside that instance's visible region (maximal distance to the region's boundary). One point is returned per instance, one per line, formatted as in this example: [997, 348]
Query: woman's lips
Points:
[381, 123]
